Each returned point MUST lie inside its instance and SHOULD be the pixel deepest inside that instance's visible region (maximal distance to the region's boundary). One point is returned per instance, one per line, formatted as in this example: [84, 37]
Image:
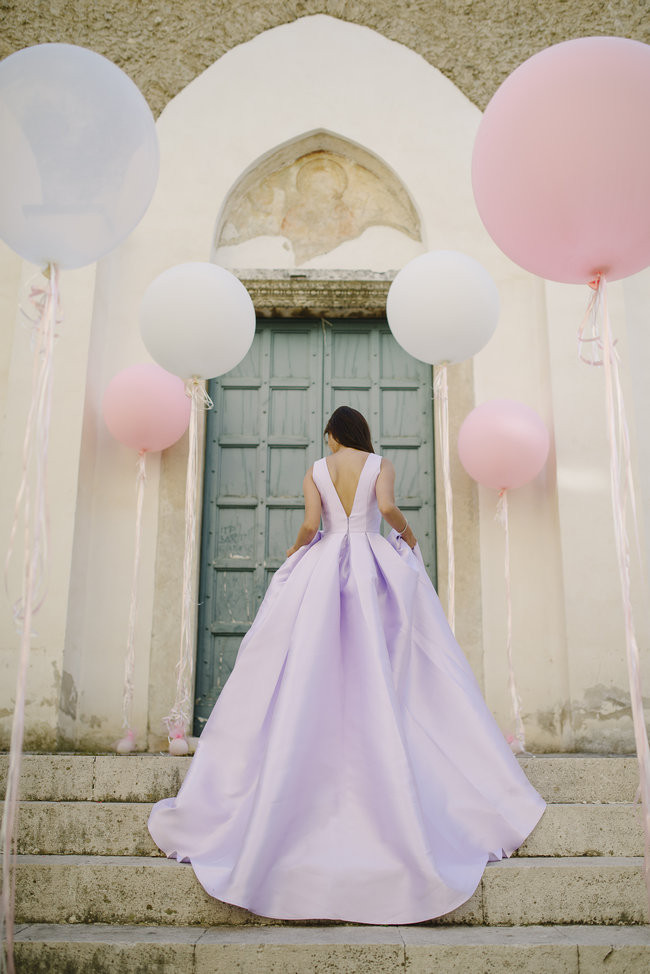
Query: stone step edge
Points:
[612, 889]
[120, 829]
[160, 862]
[117, 805]
[347, 935]
[149, 777]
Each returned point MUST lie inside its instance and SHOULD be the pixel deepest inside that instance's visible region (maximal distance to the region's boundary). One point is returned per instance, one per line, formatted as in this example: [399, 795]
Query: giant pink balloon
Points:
[146, 408]
[561, 163]
[503, 444]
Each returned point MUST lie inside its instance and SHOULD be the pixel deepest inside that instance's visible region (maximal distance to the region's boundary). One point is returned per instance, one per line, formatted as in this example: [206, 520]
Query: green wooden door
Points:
[265, 430]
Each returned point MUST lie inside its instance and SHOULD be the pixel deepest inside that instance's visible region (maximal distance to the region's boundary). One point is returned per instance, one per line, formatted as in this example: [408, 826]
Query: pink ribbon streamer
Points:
[441, 396]
[517, 740]
[603, 353]
[31, 509]
[178, 720]
[128, 742]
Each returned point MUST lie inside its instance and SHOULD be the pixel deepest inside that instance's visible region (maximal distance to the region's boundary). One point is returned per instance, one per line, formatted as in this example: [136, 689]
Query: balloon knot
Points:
[594, 284]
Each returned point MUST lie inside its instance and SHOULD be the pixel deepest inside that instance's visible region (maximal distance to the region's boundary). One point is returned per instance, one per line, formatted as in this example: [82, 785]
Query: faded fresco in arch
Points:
[316, 203]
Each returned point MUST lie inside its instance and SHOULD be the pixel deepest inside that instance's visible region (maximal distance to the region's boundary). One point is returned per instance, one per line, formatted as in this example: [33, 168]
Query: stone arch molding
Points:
[319, 199]
[322, 79]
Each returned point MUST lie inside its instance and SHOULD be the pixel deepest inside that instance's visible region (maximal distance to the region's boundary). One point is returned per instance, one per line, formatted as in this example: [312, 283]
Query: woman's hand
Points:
[410, 538]
[291, 550]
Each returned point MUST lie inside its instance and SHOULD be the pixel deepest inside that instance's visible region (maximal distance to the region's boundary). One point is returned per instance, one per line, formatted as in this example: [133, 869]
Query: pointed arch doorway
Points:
[265, 430]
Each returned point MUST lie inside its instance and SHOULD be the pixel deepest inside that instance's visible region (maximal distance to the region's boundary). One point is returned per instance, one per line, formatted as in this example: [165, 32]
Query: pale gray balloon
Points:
[442, 307]
[78, 154]
[197, 320]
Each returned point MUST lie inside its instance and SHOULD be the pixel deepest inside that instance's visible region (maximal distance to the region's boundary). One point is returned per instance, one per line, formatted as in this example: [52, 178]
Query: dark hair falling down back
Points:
[350, 428]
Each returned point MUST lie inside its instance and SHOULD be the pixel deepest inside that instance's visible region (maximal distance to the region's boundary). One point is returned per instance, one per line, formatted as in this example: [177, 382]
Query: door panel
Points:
[265, 430]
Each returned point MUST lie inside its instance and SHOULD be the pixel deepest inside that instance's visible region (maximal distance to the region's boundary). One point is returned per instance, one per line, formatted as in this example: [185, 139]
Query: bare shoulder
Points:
[308, 482]
[386, 467]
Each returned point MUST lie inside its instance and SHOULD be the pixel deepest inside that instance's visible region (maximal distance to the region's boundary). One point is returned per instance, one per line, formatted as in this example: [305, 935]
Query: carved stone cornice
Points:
[336, 294]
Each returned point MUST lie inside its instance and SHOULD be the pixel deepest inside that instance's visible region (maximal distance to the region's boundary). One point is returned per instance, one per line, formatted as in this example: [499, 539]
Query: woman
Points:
[350, 768]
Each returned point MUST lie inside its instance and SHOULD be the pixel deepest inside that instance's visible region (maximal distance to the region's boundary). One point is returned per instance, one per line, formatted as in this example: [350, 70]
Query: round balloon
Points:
[503, 444]
[197, 320]
[146, 408]
[442, 307]
[78, 154]
[561, 161]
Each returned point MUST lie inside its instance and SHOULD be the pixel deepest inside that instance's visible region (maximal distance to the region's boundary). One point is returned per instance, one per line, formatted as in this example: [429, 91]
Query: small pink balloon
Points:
[561, 161]
[146, 408]
[503, 444]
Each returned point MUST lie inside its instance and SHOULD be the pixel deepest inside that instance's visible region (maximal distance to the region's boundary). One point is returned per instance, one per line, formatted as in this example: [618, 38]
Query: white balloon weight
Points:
[197, 319]
[442, 307]
[78, 154]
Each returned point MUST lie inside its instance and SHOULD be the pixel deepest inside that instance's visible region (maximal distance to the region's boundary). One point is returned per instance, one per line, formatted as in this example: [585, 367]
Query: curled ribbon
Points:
[30, 508]
[129, 661]
[441, 397]
[604, 353]
[517, 740]
[177, 721]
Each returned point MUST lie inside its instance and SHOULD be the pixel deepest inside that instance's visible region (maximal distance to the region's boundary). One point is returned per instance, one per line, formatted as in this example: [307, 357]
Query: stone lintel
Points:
[337, 294]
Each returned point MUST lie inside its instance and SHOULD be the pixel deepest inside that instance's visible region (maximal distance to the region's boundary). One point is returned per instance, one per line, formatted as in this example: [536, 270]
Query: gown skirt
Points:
[350, 768]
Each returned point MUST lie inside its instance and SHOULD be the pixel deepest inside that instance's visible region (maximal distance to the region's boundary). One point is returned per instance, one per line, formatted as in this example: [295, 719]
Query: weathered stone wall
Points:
[164, 44]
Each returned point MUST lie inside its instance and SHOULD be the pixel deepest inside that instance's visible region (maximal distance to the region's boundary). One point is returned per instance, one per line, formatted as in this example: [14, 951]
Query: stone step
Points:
[517, 892]
[120, 829]
[148, 777]
[59, 949]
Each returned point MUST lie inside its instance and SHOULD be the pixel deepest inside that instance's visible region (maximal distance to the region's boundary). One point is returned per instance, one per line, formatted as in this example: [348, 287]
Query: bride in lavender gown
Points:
[350, 768]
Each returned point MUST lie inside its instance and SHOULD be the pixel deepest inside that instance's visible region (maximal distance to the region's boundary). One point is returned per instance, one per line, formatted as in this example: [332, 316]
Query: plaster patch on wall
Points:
[92, 720]
[68, 695]
[602, 720]
[603, 703]
[554, 721]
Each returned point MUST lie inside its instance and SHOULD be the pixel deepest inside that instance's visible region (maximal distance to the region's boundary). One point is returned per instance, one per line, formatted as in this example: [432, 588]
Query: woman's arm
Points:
[385, 489]
[311, 520]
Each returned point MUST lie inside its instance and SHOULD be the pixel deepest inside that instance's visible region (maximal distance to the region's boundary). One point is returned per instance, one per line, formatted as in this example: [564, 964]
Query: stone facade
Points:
[164, 44]
[407, 92]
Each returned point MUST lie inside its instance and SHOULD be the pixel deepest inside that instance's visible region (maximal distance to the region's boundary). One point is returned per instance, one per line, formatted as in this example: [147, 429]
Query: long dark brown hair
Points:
[350, 428]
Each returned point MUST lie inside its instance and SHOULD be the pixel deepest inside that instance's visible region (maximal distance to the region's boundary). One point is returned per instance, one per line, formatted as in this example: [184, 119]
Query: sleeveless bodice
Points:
[365, 515]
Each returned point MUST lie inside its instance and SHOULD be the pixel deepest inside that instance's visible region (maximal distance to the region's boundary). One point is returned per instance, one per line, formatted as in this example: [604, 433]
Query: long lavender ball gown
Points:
[350, 768]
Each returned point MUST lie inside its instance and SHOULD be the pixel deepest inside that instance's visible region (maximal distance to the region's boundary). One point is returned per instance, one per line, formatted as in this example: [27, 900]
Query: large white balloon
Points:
[78, 154]
[442, 307]
[197, 319]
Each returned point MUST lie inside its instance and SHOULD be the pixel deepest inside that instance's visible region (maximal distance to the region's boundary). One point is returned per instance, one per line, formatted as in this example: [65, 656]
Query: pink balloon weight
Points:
[561, 161]
[146, 408]
[503, 444]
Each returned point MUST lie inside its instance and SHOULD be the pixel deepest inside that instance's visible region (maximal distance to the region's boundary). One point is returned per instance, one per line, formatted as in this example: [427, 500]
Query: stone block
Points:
[582, 777]
[52, 777]
[614, 949]
[481, 950]
[301, 950]
[61, 949]
[85, 828]
[107, 889]
[138, 777]
[590, 890]
[586, 830]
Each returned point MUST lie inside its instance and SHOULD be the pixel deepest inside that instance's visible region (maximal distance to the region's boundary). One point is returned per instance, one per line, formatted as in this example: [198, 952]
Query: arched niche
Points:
[318, 200]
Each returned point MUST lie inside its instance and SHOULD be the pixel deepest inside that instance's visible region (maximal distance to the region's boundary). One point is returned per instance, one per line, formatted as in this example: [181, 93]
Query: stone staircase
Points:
[95, 894]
